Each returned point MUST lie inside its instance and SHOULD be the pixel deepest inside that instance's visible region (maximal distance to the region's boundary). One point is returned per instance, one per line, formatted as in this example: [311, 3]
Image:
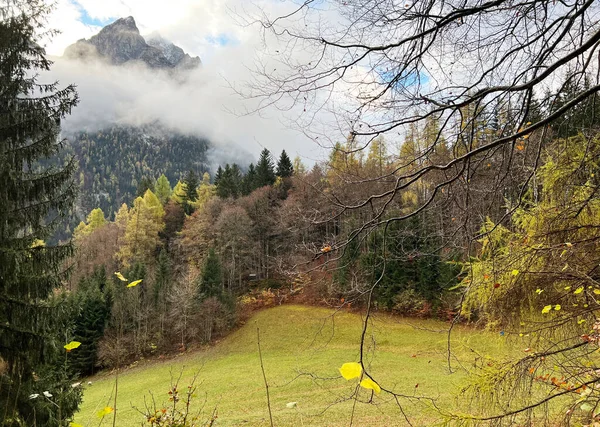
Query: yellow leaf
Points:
[569, 245]
[557, 307]
[107, 410]
[580, 321]
[370, 384]
[539, 291]
[135, 283]
[72, 424]
[597, 291]
[351, 370]
[546, 309]
[72, 345]
[567, 288]
[515, 272]
[120, 277]
[578, 290]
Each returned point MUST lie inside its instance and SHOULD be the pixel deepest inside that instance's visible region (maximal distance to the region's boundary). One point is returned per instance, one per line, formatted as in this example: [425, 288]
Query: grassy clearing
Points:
[299, 339]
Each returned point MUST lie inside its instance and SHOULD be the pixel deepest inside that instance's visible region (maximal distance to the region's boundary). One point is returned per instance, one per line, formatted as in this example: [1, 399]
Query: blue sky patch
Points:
[88, 20]
[221, 40]
[409, 80]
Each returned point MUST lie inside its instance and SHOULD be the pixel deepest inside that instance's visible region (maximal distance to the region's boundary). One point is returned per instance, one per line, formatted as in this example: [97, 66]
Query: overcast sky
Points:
[206, 28]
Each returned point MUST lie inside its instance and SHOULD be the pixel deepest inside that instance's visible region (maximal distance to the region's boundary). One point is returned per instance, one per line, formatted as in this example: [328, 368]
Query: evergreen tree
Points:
[285, 168]
[212, 277]
[265, 172]
[230, 183]
[32, 195]
[146, 183]
[218, 175]
[163, 189]
[163, 275]
[191, 185]
[248, 184]
[235, 181]
[91, 321]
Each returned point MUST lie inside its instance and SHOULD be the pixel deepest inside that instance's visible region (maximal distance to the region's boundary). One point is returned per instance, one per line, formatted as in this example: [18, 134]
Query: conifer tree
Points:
[205, 191]
[299, 168]
[94, 220]
[146, 183]
[32, 197]
[178, 194]
[163, 275]
[285, 168]
[248, 184]
[265, 171]
[230, 182]
[212, 277]
[191, 185]
[146, 221]
[163, 189]
[218, 175]
[91, 321]
[376, 159]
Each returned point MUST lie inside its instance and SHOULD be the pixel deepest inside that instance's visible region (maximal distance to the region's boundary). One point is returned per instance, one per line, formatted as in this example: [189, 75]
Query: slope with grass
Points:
[303, 347]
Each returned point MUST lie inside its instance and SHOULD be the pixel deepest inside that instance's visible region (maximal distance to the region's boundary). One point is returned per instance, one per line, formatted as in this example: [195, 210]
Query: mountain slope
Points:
[114, 160]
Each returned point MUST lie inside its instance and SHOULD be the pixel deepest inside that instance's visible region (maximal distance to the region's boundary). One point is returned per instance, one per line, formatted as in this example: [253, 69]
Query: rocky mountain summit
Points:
[121, 42]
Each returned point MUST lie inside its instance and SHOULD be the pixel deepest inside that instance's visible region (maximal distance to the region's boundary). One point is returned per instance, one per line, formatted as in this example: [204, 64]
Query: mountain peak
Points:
[121, 42]
[127, 24]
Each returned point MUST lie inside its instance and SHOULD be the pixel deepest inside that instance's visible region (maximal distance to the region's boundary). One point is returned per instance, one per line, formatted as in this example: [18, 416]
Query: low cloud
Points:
[202, 104]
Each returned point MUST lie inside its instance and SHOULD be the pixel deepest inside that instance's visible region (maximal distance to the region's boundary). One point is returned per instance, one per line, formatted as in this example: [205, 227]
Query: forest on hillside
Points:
[471, 199]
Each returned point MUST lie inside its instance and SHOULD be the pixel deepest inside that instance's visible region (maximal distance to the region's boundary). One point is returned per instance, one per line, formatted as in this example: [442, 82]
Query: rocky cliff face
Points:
[121, 42]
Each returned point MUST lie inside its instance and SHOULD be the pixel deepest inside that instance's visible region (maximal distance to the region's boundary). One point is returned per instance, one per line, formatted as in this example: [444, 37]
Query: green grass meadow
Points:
[302, 348]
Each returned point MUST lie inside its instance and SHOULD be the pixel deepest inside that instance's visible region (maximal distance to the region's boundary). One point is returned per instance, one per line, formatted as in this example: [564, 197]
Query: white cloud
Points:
[66, 18]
